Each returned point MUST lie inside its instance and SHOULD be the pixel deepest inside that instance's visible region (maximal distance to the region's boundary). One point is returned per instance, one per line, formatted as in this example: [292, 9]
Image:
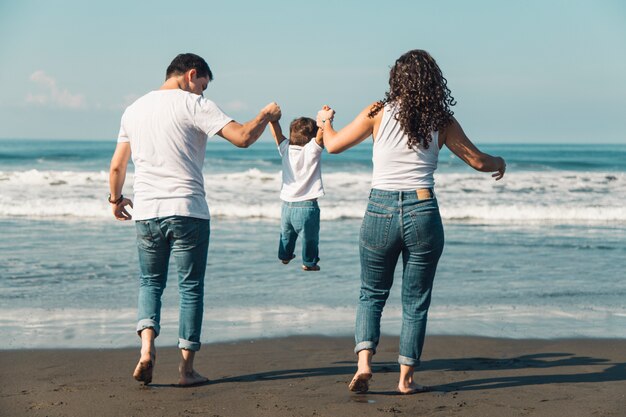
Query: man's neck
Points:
[172, 83]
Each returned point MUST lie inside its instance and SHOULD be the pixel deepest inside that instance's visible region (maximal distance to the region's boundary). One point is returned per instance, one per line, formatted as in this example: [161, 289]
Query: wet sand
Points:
[308, 376]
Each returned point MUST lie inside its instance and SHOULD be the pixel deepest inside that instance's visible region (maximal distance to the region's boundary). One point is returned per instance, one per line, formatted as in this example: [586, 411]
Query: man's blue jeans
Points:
[398, 223]
[302, 219]
[187, 239]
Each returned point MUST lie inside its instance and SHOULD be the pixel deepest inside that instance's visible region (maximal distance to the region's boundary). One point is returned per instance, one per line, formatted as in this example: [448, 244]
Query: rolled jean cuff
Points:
[188, 345]
[148, 324]
[365, 345]
[405, 360]
[310, 264]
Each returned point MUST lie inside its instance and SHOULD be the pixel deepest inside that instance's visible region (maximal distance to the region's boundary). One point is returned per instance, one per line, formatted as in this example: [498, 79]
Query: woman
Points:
[408, 126]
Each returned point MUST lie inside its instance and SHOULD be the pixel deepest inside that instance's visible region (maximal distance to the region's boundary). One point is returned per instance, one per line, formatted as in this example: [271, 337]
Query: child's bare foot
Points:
[286, 261]
[311, 268]
[191, 378]
[412, 388]
[143, 370]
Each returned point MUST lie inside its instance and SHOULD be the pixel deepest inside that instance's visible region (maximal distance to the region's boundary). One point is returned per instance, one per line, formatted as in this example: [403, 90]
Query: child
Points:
[302, 185]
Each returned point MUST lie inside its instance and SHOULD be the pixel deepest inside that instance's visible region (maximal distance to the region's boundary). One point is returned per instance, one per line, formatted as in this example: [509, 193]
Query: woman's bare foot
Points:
[412, 388]
[191, 378]
[407, 385]
[188, 376]
[361, 380]
[144, 368]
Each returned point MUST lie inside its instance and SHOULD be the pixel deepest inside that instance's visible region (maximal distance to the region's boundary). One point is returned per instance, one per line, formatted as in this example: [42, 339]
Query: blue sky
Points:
[532, 71]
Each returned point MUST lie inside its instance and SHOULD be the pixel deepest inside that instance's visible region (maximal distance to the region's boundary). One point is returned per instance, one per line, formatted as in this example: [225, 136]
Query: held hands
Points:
[325, 114]
[119, 210]
[273, 111]
[500, 168]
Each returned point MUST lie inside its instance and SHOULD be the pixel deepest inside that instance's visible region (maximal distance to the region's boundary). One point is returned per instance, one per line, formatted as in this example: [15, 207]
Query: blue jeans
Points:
[301, 218]
[186, 238]
[397, 223]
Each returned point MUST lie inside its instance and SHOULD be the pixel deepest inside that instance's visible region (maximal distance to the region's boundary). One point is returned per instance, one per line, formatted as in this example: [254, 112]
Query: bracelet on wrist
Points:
[116, 202]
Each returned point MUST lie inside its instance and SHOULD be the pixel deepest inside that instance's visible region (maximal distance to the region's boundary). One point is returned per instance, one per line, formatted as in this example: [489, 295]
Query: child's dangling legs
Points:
[310, 233]
[288, 236]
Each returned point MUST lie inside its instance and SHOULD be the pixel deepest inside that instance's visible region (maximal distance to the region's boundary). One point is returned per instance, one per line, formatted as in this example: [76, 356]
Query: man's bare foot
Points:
[191, 378]
[412, 388]
[143, 370]
[360, 382]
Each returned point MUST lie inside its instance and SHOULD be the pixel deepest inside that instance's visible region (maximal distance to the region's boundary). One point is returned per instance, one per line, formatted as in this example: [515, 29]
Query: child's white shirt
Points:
[302, 171]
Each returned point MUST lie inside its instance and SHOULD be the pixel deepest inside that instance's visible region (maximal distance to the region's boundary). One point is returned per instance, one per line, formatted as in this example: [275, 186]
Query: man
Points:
[166, 132]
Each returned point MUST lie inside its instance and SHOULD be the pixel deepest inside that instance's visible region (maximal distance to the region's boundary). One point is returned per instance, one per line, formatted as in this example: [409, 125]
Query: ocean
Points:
[539, 254]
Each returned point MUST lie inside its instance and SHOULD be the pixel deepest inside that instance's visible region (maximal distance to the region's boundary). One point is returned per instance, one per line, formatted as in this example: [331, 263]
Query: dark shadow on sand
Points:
[307, 373]
[614, 372]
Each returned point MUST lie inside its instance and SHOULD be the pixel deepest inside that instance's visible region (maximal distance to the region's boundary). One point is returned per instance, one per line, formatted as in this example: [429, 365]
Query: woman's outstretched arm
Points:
[458, 142]
[354, 133]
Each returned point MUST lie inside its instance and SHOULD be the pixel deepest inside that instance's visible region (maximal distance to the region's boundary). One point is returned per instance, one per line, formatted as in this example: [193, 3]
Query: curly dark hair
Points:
[418, 87]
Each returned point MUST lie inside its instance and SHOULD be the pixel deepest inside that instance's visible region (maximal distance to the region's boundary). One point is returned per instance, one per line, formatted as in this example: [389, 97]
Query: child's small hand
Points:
[325, 114]
[273, 111]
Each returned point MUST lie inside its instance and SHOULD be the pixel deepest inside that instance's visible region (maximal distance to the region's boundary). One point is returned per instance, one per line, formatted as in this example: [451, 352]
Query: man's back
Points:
[167, 131]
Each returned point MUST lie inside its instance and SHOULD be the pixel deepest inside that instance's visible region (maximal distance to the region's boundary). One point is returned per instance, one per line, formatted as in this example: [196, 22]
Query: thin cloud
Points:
[53, 95]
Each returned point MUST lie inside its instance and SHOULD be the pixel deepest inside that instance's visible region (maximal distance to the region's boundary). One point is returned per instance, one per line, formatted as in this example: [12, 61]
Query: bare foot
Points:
[191, 378]
[311, 268]
[412, 388]
[143, 370]
[360, 382]
[286, 261]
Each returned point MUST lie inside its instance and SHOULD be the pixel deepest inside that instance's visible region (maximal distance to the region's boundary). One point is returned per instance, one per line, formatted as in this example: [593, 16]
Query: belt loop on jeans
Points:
[424, 193]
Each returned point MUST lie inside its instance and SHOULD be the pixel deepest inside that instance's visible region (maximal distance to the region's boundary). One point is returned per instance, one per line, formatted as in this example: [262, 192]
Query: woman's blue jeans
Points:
[187, 239]
[398, 223]
[301, 218]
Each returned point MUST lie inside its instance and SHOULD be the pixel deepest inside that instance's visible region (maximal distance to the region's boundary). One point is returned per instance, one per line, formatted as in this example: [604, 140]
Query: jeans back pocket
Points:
[428, 229]
[375, 229]
[145, 237]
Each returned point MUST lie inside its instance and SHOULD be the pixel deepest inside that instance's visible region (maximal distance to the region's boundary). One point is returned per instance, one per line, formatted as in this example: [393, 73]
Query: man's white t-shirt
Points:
[302, 171]
[167, 131]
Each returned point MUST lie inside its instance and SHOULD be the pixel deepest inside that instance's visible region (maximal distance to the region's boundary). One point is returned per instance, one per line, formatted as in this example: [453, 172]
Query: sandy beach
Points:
[307, 376]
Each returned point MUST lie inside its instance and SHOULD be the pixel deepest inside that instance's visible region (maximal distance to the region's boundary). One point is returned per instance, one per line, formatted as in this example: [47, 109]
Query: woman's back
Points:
[396, 166]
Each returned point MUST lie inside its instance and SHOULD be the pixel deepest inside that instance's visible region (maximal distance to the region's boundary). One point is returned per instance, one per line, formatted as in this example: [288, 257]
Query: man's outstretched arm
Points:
[244, 135]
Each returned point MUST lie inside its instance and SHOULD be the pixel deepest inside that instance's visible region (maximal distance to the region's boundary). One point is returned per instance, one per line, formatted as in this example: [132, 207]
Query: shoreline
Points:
[308, 376]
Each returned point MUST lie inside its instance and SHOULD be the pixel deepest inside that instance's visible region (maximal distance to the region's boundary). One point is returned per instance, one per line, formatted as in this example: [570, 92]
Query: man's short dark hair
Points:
[302, 130]
[188, 61]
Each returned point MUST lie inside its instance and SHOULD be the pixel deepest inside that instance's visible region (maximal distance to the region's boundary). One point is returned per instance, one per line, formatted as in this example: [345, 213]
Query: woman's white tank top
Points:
[396, 166]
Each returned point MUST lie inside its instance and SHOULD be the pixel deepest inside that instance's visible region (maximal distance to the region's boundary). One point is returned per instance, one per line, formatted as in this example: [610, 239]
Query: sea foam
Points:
[543, 196]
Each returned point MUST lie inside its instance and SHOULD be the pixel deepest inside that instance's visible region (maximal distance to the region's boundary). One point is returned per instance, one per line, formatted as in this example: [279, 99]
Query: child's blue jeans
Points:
[301, 218]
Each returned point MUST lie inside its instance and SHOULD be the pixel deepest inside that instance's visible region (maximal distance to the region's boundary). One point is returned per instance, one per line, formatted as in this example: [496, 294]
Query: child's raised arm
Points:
[277, 132]
[319, 137]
